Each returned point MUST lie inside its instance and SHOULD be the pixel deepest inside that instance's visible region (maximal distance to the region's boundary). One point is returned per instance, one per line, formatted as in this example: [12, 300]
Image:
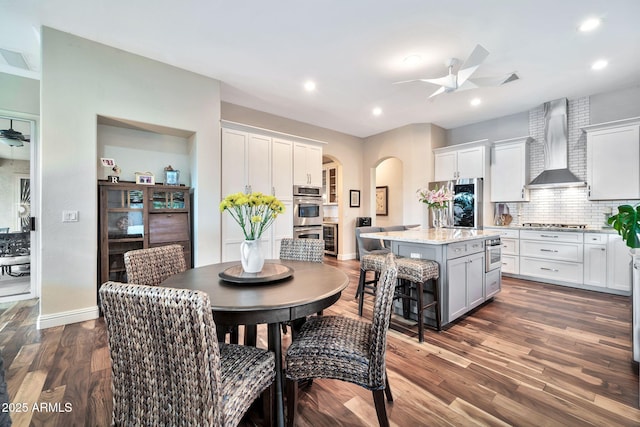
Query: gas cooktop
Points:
[548, 225]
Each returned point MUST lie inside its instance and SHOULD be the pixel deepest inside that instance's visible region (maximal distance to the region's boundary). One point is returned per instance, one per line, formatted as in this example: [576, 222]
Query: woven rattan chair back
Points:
[302, 249]
[380, 322]
[153, 265]
[165, 356]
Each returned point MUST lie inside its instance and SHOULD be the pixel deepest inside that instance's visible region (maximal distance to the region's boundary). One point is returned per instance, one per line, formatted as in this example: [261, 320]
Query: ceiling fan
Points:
[12, 137]
[461, 78]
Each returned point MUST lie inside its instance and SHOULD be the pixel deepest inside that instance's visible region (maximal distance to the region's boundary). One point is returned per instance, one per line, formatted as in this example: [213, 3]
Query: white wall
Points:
[389, 173]
[412, 145]
[142, 151]
[80, 81]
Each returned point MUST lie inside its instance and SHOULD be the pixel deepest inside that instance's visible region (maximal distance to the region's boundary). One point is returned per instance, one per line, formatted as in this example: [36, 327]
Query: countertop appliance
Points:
[493, 254]
[307, 206]
[465, 211]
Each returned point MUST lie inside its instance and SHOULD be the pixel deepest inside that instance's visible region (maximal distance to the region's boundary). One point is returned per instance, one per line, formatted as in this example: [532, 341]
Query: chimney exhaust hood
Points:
[556, 173]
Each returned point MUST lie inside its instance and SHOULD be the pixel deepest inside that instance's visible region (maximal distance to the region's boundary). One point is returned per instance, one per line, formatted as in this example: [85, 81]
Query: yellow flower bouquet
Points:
[254, 212]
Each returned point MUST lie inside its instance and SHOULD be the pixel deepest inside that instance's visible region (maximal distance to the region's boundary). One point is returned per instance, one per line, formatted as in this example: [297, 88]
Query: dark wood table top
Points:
[312, 287]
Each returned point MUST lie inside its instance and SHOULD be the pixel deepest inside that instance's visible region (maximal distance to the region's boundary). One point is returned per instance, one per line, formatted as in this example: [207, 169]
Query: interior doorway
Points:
[17, 139]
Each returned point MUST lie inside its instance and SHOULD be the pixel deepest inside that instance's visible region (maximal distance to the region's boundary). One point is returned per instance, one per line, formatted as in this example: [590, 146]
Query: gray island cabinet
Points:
[464, 281]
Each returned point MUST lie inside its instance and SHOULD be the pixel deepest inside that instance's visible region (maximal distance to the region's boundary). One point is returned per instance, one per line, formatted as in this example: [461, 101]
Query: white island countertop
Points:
[433, 236]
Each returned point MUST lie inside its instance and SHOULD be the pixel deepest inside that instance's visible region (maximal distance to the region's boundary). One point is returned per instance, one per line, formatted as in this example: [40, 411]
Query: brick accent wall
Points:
[563, 205]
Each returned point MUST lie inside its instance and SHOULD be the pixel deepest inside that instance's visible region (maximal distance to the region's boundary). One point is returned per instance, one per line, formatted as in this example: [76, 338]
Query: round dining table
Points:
[295, 290]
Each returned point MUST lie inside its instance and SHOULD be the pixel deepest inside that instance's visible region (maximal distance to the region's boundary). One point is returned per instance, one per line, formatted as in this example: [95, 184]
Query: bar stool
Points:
[372, 256]
[418, 272]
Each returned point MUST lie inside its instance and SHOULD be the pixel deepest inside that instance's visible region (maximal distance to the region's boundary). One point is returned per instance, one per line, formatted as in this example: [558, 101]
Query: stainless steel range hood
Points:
[556, 172]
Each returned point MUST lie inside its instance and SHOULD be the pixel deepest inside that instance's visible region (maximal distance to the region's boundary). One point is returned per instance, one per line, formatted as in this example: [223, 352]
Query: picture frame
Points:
[145, 178]
[172, 177]
[382, 200]
[354, 198]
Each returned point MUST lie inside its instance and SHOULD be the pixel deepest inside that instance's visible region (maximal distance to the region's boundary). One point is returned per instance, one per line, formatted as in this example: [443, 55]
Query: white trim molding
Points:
[67, 317]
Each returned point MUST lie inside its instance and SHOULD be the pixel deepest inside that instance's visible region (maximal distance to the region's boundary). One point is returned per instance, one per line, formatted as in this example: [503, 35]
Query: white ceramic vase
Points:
[251, 256]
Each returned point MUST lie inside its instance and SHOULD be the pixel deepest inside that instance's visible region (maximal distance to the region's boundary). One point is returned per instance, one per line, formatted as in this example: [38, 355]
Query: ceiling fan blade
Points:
[472, 63]
[438, 92]
[494, 81]
[448, 81]
[12, 142]
[409, 81]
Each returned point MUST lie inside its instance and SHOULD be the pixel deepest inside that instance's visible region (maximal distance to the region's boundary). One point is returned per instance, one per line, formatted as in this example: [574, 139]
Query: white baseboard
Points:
[67, 317]
[344, 257]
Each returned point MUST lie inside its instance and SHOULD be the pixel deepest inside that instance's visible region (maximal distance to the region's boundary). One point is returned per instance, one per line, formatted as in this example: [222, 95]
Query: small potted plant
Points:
[627, 223]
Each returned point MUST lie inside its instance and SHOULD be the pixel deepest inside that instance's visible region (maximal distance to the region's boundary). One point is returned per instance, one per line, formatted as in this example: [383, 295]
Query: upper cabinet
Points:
[330, 184]
[461, 161]
[510, 170]
[307, 164]
[613, 160]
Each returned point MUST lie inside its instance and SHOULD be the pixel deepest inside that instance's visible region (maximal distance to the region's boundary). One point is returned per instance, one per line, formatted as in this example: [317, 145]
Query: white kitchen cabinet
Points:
[465, 276]
[613, 160]
[553, 255]
[595, 259]
[253, 162]
[460, 161]
[510, 170]
[619, 263]
[282, 169]
[307, 164]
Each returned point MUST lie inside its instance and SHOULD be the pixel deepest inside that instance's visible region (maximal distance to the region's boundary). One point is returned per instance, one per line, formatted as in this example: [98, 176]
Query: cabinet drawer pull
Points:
[549, 269]
[549, 235]
[549, 250]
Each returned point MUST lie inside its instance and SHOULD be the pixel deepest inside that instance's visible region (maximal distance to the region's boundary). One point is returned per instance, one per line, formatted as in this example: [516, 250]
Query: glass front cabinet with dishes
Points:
[136, 216]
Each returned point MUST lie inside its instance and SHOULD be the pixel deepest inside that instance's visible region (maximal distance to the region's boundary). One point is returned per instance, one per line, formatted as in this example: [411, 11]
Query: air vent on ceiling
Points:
[14, 59]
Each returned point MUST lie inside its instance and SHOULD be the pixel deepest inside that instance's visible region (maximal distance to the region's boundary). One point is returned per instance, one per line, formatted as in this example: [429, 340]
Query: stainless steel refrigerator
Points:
[466, 209]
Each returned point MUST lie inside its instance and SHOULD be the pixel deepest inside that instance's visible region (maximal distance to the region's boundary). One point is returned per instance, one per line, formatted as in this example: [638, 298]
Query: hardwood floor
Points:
[536, 355]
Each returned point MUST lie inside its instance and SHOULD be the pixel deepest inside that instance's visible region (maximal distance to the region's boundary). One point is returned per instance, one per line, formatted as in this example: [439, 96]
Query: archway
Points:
[332, 205]
[388, 192]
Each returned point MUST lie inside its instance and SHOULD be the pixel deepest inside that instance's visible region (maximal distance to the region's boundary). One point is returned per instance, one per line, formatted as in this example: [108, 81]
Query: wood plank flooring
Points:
[538, 355]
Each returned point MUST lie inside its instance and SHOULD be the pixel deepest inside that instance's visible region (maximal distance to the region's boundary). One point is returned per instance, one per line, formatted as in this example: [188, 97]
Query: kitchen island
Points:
[464, 282]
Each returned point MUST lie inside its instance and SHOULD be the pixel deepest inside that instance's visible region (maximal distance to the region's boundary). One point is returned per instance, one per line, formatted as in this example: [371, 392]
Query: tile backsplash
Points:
[563, 205]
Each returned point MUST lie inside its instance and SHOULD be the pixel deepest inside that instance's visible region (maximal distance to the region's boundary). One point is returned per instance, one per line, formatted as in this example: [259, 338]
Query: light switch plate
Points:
[69, 216]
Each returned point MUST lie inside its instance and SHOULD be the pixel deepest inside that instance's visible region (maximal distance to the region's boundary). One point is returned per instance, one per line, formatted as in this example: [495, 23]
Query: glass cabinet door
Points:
[168, 199]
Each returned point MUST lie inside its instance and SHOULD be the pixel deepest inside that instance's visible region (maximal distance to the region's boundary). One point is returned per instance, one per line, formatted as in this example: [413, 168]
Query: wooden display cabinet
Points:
[133, 216]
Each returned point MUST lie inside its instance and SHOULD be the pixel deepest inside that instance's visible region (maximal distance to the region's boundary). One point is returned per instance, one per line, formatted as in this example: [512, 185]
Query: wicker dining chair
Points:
[346, 349]
[153, 265]
[167, 367]
[302, 249]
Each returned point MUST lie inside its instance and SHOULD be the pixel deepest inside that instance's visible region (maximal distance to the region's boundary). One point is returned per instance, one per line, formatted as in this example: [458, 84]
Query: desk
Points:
[312, 287]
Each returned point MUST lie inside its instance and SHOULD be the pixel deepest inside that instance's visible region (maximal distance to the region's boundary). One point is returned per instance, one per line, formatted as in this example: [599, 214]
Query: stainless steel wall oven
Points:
[307, 212]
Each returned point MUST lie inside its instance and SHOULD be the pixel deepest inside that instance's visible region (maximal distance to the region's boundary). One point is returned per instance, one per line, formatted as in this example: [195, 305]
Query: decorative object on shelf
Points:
[171, 176]
[627, 223]
[354, 198]
[111, 163]
[382, 200]
[438, 200]
[145, 178]
[254, 212]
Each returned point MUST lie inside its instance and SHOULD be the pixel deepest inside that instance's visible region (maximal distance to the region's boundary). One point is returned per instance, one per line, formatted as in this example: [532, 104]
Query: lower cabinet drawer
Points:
[552, 250]
[510, 246]
[492, 284]
[556, 270]
[510, 264]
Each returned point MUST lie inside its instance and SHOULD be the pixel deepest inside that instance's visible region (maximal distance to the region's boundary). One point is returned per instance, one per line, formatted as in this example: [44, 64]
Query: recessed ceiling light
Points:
[475, 102]
[600, 64]
[377, 111]
[412, 59]
[310, 86]
[590, 24]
